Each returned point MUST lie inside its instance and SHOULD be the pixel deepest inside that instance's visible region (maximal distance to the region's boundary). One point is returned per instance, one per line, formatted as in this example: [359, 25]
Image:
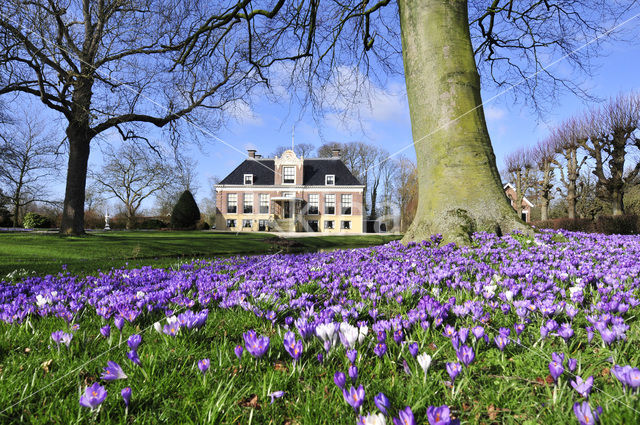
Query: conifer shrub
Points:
[185, 214]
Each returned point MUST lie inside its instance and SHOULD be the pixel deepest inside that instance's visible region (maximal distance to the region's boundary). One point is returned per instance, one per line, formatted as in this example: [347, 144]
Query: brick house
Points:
[291, 194]
[510, 191]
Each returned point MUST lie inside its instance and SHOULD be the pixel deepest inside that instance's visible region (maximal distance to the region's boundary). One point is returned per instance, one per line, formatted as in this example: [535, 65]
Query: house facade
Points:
[510, 191]
[290, 194]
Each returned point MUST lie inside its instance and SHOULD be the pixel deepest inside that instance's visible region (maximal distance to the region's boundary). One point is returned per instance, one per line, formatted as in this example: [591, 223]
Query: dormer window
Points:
[330, 179]
[248, 179]
[288, 175]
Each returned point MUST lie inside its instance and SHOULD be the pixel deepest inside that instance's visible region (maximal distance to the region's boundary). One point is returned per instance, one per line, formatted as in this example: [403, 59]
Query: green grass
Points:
[47, 253]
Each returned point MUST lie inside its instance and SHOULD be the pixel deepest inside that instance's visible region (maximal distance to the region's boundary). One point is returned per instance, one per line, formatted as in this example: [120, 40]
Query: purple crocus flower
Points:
[203, 365]
[572, 364]
[275, 394]
[583, 387]
[112, 372]
[134, 341]
[453, 369]
[133, 356]
[340, 379]
[105, 331]
[555, 369]
[351, 355]
[355, 397]
[633, 378]
[584, 413]
[320, 358]
[380, 349]
[119, 322]
[478, 332]
[238, 351]
[405, 417]
[353, 373]
[126, 395]
[171, 329]
[608, 336]
[413, 349]
[501, 341]
[381, 336]
[466, 355]
[439, 415]
[565, 331]
[293, 347]
[255, 345]
[93, 396]
[382, 402]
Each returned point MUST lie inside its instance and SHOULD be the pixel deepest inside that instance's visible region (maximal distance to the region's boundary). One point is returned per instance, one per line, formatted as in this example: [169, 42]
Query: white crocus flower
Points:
[490, 290]
[363, 331]
[172, 319]
[40, 300]
[158, 327]
[508, 295]
[327, 332]
[375, 419]
[348, 335]
[424, 360]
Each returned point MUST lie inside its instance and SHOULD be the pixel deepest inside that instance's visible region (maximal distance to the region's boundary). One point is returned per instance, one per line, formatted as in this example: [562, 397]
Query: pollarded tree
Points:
[443, 44]
[520, 169]
[544, 157]
[612, 131]
[567, 139]
[107, 65]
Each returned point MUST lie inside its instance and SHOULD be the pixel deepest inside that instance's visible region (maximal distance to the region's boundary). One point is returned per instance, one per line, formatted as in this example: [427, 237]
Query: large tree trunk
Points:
[73, 210]
[572, 177]
[460, 190]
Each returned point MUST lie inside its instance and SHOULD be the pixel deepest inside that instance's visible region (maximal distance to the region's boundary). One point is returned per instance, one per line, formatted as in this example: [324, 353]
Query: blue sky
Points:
[264, 125]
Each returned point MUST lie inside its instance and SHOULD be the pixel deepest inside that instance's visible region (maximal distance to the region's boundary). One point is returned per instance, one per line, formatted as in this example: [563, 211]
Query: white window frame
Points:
[315, 203]
[327, 203]
[245, 204]
[250, 179]
[342, 225]
[284, 174]
[229, 221]
[246, 221]
[326, 224]
[234, 201]
[327, 177]
[263, 197]
[349, 203]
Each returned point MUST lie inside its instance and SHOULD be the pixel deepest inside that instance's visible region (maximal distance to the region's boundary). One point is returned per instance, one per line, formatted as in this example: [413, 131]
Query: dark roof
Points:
[314, 171]
[262, 170]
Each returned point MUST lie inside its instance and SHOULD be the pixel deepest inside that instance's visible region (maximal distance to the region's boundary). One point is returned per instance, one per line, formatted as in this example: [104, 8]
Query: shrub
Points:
[620, 224]
[33, 221]
[185, 214]
[152, 223]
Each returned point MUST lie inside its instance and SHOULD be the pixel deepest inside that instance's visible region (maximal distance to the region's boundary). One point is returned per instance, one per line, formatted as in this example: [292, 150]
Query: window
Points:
[330, 204]
[345, 204]
[264, 203]
[328, 224]
[288, 175]
[248, 179]
[231, 222]
[345, 225]
[314, 204]
[289, 194]
[232, 203]
[248, 203]
[330, 179]
[246, 223]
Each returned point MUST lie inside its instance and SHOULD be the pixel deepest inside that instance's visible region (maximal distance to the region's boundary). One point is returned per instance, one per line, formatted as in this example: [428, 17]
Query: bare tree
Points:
[520, 169]
[27, 163]
[406, 190]
[544, 156]
[300, 149]
[612, 130]
[389, 173]
[568, 138]
[132, 175]
[107, 65]
[183, 177]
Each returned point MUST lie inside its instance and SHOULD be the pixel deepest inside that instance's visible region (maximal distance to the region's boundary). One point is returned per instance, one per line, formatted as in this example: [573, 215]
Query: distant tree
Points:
[612, 131]
[5, 215]
[28, 162]
[300, 149]
[183, 177]
[186, 213]
[35, 221]
[568, 138]
[377, 172]
[389, 173]
[589, 203]
[131, 174]
[520, 170]
[544, 156]
[406, 183]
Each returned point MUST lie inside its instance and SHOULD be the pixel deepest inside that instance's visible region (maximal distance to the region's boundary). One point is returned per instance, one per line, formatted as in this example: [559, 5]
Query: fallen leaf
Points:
[251, 401]
[550, 379]
[605, 371]
[280, 366]
[540, 380]
[493, 413]
[45, 365]
[27, 350]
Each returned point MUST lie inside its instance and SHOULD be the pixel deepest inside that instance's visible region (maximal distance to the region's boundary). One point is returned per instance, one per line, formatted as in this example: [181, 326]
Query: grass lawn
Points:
[47, 253]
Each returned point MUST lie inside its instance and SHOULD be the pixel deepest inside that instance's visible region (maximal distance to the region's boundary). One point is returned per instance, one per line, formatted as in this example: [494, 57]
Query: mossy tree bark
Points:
[460, 189]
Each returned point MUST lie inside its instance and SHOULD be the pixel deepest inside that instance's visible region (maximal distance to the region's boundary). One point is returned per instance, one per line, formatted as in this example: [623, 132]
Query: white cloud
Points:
[493, 113]
[241, 111]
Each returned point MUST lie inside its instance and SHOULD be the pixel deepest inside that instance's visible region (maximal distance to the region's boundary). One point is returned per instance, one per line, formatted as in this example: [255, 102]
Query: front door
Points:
[287, 209]
[262, 225]
[313, 225]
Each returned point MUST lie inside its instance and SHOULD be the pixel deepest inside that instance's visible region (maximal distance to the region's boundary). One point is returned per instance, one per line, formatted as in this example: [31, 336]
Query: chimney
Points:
[335, 153]
[252, 153]
[258, 156]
